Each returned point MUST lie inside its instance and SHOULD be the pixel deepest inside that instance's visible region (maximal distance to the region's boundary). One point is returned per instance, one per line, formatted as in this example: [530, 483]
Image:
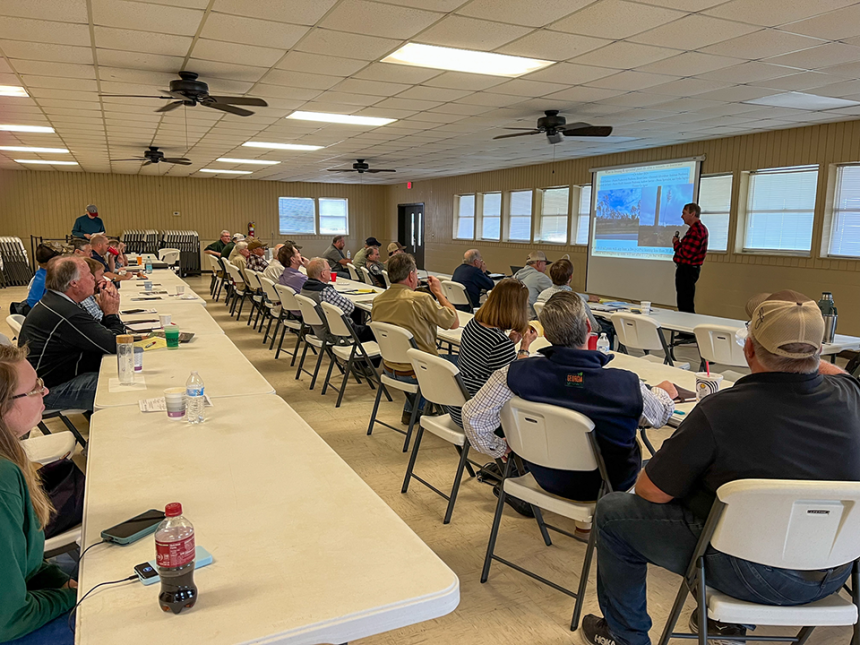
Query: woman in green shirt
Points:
[34, 595]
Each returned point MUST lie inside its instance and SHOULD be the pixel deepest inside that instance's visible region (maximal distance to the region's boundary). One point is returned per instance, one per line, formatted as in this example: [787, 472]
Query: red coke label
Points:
[174, 554]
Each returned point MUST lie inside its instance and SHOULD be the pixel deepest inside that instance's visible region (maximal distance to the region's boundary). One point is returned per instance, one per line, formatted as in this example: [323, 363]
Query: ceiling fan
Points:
[154, 155]
[189, 91]
[360, 167]
[556, 129]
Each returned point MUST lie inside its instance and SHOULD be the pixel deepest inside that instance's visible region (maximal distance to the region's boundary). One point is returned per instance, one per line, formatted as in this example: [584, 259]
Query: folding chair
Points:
[636, 331]
[440, 383]
[310, 316]
[394, 344]
[717, 345]
[5, 340]
[366, 277]
[353, 351]
[62, 415]
[288, 319]
[15, 321]
[552, 437]
[457, 295]
[386, 278]
[353, 272]
[785, 524]
[256, 288]
[236, 293]
[169, 256]
[538, 307]
[271, 307]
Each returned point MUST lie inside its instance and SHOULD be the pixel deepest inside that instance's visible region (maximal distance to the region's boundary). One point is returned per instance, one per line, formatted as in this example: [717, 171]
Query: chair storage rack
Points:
[15, 270]
[188, 243]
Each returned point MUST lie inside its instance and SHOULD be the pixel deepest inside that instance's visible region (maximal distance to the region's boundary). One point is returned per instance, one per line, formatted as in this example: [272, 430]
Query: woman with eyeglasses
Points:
[34, 595]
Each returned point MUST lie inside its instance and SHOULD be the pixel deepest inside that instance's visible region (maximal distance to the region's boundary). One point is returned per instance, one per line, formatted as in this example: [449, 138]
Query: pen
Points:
[680, 413]
[150, 345]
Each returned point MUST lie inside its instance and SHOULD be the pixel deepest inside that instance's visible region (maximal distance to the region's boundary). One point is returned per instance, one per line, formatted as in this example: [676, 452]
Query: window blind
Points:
[296, 215]
[583, 215]
[780, 210]
[715, 200]
[553, 215]
[334, 216]
[465, 225]
[520, 221]
[491, 216]
[845, 228]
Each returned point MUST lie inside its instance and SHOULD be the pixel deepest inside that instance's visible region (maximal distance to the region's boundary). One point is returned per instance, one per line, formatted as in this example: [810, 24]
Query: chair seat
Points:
[412, 388]
[292, 324]
[49, 448]
[313, 340]
[528, 490]
[343, 351]
[57, 411]
[444, 427]
[833, 610]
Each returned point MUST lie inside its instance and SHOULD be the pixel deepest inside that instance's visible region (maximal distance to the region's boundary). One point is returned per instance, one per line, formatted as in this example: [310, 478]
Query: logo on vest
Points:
[575, 380]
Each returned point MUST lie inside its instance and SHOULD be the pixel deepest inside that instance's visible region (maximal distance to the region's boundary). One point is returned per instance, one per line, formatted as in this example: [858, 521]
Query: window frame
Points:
[482, 199]
[315, 223]
[575, 219]
[345, 200]
[728, 214]
[538, 225]
[832, 211]
[317, 217]
[509, 216]
[457, 216]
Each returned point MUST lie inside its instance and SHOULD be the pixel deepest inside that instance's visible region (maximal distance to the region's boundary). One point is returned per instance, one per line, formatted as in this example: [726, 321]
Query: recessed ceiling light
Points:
[13, 90]
[48, 162]
[33, 149]
[259, 162]
[803, 101]
[226, 172]
[346, 119]
[26, 128]
[464, 60]
[280, 146]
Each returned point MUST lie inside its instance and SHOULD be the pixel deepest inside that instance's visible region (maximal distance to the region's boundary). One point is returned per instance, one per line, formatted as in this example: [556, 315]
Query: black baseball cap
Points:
[372, 241]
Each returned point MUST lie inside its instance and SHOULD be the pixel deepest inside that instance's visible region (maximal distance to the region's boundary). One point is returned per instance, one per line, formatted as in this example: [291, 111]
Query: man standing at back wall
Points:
[88, 224]
[690, 252]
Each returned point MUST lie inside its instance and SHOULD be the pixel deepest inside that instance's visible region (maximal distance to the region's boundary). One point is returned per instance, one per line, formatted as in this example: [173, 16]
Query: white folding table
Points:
[193, 319]
[304, 551]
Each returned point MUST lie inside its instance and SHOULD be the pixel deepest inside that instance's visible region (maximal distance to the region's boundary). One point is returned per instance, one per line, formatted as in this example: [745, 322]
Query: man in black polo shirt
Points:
[794, 417]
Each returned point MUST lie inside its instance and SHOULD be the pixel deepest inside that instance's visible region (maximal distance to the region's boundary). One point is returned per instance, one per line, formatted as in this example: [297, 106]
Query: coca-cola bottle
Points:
[174, 546]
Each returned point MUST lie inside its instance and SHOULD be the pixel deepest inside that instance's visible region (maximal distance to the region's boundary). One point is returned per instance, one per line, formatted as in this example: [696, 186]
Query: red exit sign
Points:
[408, 185]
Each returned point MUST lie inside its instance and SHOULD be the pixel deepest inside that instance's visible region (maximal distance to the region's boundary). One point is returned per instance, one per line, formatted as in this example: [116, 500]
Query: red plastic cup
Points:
[333, 276]
[592, 341]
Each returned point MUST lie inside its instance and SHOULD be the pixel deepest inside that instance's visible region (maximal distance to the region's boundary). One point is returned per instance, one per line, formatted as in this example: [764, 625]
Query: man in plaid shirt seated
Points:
[690, 252]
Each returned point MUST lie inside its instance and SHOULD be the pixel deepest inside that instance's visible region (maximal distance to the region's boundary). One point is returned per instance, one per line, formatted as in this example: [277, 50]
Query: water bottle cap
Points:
[174, 509]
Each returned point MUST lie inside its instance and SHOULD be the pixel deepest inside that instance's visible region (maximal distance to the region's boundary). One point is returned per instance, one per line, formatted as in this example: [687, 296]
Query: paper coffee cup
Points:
[164, 319]
[147, 286]
[174, 397]
[706, 385]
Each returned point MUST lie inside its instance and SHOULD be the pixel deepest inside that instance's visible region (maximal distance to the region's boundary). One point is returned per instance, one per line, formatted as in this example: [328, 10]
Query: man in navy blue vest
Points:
[569, 375]
[472, 274]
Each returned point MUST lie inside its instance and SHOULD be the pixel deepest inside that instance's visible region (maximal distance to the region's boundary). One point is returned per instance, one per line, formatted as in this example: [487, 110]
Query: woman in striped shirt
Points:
[485, 347]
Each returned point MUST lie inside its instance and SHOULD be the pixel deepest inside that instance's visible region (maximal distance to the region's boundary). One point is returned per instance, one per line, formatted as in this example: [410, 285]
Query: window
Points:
[553, 215]
[780, 209]
[845, 229]
[715, 200]
[464, 217]
[334, 216]
[520, 221]
[296, 215]
[583, 215]
[491, 216]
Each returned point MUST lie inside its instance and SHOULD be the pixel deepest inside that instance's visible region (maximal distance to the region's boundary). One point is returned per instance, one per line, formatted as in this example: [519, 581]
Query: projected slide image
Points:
[661, 213]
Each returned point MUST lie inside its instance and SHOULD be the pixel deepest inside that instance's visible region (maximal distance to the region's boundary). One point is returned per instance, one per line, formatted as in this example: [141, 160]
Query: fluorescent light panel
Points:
[464, 60]
[48, 162]
[346, 119]
[280, 146]
[26, 128]
[803, 101]
[13, 90]
[226, 172]
[33, 149]
[259, 162]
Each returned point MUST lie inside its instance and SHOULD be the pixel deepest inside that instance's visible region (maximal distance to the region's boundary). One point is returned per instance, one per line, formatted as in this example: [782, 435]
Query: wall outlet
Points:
[175, 213]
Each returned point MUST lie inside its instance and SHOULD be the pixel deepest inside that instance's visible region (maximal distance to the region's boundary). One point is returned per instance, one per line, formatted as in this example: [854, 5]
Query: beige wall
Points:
[47, 203]
[727, 279]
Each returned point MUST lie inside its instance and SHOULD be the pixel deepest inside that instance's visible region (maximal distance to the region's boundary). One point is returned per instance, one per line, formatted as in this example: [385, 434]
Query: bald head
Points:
[317, 267]
[472, 257]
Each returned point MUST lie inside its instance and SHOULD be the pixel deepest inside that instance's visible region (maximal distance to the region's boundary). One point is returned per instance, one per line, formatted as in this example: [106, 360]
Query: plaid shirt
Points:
[257, 263]
[692, 248]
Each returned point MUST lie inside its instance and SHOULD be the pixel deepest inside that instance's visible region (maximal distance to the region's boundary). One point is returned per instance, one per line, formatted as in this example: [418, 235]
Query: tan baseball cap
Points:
[255, 244]
[787, 317]
[537, 256]
[754, 302]
[394, 246]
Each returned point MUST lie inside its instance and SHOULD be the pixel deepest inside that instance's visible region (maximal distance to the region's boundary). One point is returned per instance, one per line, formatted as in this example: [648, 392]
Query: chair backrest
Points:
[366, 277]
[170, 256]
[440, 377]
[4, 340]
[394, 342]
[269, 289]
[790, 524]
[717, 345]
[539, 343]
[309, 310]
[15, 321]
[337, 326]
[386, 278]
[456, 293]
[233, 270]
[353, 272]
[538, 307]
[549, 435]
[287, 297]
[637, 331]
[253, 279]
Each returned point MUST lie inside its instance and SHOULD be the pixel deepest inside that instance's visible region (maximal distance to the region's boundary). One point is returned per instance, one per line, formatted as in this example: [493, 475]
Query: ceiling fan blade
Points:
[135, 96]
[170, 106]
[533, 130]
[342, 170]
[228, 108]
[518, 134]
[182, 161]
[239, 100]
[590, 131]
[147, 162]
[380, 170]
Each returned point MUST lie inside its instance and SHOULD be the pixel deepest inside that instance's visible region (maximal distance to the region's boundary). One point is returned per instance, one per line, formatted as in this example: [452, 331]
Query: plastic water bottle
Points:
[148, 266]
[194, 399]
[603, 344]
[174, 558]
[349, 255]
[125, 359]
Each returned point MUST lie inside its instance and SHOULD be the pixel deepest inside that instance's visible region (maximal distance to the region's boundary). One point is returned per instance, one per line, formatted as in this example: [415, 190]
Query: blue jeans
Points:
[77, 394]
[407, 407]
[631, 532]
[57, 632]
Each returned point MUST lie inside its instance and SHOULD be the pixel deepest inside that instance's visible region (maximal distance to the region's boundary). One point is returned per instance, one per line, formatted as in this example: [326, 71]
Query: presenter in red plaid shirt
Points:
[690, 252]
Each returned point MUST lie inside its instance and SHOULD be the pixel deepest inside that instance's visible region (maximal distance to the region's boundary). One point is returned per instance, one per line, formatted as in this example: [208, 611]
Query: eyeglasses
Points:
[39, 390]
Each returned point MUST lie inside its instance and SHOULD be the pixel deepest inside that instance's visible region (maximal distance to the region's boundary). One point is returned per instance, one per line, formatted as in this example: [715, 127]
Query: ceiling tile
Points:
[823, 56]
[345, 98]
[251, 31]
[48, 52]
[459, 109]
[517, 12]
[635, 99]
[433, 94]
[625, 55]
[324, 41]
[464, 81]
[616, 19]
[301, 12]
[42, 31]
[702, 30]
[747, 73]
[836, 25]
[378, 88]
[632, 81]
[737, 93]
[552, 45]
[584, 94]
[431, 5]
[211, 70]
[471, 33]
[407, 104]
[762, 44]
[144, 17]
[45, 68]
[142, 41]
[375, 19]
[519, 87]
[689, 64]
[138, 60]
[217, 50]
[391, 73]
[686, 87]
[59, 10]
[798, 82]
[771, 14]
[569, 73]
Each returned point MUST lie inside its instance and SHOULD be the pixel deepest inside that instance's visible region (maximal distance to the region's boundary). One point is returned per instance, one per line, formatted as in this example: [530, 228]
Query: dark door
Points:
[410, 230]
